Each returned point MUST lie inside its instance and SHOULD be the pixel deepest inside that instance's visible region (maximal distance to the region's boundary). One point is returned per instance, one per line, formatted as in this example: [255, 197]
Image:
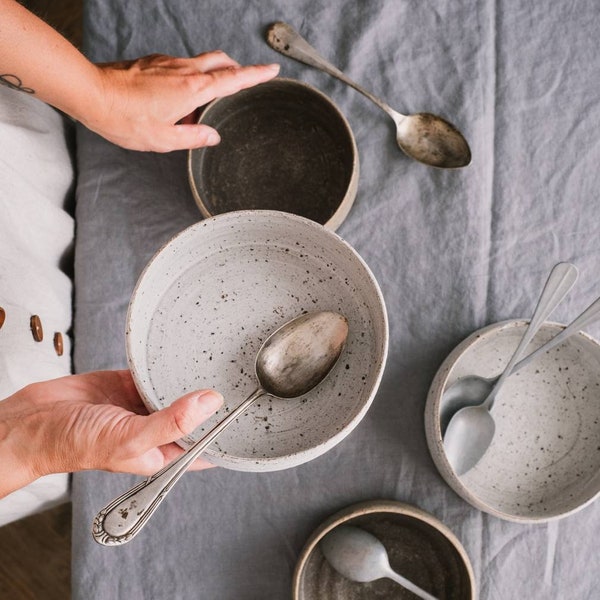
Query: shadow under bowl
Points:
[419, 547]
[284, 146]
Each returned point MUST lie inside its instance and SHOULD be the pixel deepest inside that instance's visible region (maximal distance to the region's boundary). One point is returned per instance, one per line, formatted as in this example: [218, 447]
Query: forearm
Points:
[38, 60]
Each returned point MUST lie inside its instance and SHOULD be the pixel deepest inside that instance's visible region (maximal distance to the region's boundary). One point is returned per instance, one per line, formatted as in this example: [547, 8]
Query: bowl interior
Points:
[208, 300]
[544, 460]
[421, 549]
[284, 146]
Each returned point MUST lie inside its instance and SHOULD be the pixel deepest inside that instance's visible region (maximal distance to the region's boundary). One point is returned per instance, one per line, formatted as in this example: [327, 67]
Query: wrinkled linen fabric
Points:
[452, 251]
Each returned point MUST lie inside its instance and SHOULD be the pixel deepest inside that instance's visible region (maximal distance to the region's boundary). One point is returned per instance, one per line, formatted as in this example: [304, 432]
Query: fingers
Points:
[229, 81]
[176, 421]
[150, 438]
[211, 61]
[184, 136]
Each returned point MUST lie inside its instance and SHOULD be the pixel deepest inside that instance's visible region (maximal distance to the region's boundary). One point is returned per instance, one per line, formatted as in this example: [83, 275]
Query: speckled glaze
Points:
[211, 296]
[544, 461]
[419, 547]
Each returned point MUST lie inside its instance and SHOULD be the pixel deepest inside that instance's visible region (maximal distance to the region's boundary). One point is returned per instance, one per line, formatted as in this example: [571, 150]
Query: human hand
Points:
[92, 421]
[145, 104]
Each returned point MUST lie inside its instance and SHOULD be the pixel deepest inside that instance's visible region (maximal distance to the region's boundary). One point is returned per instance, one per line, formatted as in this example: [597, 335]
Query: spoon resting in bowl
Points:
[359, 556]
[428, 138]
[291, 362]
[473, 389]
[471, 429]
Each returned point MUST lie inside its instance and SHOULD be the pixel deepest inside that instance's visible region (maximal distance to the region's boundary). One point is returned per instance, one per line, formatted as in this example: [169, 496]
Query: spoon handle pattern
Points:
[122, 519]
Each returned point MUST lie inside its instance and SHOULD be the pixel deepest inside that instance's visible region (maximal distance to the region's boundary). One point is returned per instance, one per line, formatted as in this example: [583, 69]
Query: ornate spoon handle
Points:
[122, 519]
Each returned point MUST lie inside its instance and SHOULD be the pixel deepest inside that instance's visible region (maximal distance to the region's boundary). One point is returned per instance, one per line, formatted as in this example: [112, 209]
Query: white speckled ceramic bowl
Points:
[544, 461]
[419, 547]
[211, 296]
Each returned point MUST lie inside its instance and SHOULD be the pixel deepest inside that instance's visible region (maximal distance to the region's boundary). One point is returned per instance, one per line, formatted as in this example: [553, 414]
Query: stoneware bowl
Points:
[284, 146]
[544, 460]
[212, 295]
[419, 547]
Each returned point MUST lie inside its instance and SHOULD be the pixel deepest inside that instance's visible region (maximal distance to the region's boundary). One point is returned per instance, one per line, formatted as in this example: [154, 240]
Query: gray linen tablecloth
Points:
[453, 251]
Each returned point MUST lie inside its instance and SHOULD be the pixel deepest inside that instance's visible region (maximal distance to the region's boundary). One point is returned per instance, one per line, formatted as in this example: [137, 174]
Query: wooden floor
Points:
[35, 557]
[35, 553]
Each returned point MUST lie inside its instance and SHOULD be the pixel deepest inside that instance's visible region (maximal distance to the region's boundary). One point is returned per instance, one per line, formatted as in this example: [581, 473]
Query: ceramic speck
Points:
[211, 296]
[419, 547]
[544, 460]
[284, 146]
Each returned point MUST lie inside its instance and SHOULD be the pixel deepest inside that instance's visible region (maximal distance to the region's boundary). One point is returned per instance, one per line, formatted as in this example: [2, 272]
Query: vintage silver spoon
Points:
[471, 429]
[473, 389]
[290, 363]
[359, 556]
[425, 137]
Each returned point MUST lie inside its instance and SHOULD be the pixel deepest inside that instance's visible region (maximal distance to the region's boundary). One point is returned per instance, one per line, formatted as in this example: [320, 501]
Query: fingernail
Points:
[213, 138]
[210, 400]
[273, 67]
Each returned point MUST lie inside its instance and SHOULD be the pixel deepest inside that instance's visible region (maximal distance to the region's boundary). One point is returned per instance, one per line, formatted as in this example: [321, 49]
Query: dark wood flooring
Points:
[35, 557]
[35, 553]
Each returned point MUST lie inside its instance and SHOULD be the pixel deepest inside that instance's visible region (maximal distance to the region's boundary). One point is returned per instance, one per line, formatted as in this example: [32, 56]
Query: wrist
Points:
[16, 466]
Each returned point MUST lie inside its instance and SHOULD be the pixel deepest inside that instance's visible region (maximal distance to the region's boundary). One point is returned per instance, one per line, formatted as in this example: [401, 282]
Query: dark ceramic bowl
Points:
[419, 547]
[284, 146]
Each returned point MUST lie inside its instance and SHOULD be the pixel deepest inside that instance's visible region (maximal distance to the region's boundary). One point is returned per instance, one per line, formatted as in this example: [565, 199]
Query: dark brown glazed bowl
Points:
[284, 146]
[419, 547]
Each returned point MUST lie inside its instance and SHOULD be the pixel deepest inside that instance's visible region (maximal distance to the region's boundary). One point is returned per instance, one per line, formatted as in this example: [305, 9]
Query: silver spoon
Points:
[473, 389]
[425, 137]
[360, 556]
[471, 429]
[290, 363]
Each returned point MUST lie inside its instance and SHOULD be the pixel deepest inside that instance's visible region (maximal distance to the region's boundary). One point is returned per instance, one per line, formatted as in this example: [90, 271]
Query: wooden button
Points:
[58, 343]
[35, 324]
[2, 316]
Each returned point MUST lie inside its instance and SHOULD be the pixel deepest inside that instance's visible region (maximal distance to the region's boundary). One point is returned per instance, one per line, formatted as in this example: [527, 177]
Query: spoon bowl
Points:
[423, 136]
[291, 362]
[359, 556]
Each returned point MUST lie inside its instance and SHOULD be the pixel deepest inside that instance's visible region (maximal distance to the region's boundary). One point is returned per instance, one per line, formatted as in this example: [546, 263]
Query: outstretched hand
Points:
[146, 103]
[92, 421]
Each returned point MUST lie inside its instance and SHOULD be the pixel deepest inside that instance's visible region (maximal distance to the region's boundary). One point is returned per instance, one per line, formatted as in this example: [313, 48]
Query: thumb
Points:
[186, 136]
[177, 420]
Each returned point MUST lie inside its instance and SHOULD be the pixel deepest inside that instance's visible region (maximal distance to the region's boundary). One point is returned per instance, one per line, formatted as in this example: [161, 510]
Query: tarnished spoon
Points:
[290, 363]
[428, 138]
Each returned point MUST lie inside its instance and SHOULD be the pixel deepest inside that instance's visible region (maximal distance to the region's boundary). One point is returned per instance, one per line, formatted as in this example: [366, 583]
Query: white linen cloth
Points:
[36, 239]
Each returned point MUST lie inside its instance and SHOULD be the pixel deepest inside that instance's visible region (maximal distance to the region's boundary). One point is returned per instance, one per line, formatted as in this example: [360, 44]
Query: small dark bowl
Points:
[284, 146]
[419, 547]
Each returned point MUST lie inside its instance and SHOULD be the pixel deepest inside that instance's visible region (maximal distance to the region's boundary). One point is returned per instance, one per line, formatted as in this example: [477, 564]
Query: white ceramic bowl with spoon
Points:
[544, 460]
[210, 297]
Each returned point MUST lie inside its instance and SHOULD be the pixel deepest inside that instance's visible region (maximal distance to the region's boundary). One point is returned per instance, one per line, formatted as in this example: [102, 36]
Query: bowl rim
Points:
[344, 206]
[433, 430]
[370, 507]
[382, 349]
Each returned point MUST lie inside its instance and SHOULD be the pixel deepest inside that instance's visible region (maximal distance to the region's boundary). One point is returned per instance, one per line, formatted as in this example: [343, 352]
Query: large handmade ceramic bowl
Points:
[284, 146]
[544, 460]
[208, 299]
[419, 547]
